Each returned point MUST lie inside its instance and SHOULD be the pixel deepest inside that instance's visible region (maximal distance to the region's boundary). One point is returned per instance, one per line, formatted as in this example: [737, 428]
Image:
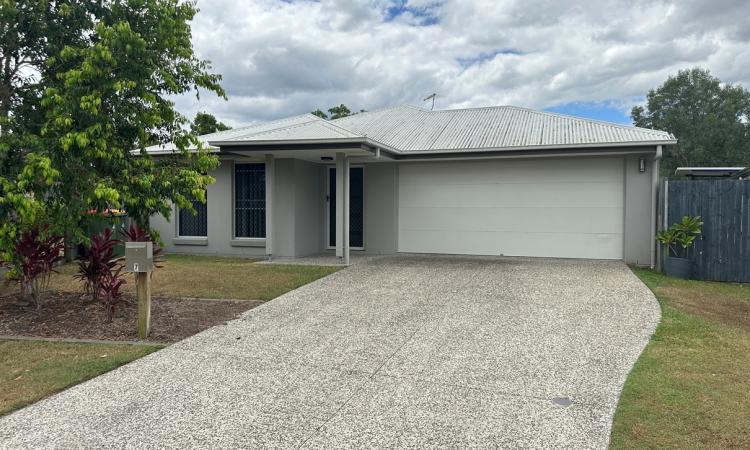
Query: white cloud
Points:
[282, 58]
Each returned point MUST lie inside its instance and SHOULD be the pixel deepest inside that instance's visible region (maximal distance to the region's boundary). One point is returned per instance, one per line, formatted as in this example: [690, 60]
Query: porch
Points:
[329, 203]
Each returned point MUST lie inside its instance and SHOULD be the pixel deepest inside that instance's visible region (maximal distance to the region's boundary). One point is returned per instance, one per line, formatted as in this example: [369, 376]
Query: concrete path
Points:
[409, 351]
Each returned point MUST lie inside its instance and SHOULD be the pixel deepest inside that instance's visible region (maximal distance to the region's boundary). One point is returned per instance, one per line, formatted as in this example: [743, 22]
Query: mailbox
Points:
[139, 256]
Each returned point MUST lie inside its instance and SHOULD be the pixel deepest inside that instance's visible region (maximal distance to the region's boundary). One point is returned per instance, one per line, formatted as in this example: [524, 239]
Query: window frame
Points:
[242, 241]
[179, 235]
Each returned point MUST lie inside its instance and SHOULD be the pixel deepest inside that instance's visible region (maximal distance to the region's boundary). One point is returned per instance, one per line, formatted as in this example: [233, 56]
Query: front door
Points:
[356, 207]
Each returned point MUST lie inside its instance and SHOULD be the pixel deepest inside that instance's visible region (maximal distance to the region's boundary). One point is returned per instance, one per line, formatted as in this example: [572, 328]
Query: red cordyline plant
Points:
[110, 293]
[98, 263]
[36, 254]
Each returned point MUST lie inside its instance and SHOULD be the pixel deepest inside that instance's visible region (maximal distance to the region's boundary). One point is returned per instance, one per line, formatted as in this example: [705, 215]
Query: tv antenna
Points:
[433, 100]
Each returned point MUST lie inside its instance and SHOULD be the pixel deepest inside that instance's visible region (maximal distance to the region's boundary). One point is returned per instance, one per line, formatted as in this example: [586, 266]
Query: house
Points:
[482, 181]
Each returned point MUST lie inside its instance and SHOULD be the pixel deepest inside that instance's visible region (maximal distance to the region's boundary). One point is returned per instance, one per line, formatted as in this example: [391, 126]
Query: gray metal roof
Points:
[409, 129]
[241, 132]
[311, 129]
[412, 129]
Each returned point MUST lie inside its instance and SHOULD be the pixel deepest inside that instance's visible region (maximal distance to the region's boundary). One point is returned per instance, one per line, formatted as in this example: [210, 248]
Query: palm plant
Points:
[680, 236]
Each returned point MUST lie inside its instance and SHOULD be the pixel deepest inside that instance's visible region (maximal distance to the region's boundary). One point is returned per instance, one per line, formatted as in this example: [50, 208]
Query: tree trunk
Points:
[71, 252]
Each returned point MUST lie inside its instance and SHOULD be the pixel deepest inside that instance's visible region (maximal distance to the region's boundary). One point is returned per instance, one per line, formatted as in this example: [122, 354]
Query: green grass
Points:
[689, 389]
[213, 277]
[33, 370]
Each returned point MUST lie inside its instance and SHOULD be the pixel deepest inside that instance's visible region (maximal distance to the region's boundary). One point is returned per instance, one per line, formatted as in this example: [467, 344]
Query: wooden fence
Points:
[722, 252]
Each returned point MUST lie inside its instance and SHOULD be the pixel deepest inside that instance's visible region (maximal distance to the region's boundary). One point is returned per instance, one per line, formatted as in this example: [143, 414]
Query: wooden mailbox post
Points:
[139, 259]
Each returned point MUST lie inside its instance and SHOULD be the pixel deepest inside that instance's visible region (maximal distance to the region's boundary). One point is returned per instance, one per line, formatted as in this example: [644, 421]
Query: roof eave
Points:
[376, 144]
[543, 147]
[265, 142]
[262, 143]
[174, 151]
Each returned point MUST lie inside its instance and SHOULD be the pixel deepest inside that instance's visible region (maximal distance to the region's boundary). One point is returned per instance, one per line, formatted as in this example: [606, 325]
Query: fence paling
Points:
[722, 252]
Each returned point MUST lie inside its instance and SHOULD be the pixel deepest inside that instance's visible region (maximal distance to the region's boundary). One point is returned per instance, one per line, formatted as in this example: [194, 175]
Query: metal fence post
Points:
[662, 220]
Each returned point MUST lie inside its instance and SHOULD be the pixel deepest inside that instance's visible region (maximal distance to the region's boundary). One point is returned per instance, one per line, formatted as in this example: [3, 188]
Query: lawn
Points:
[213, 277]
[30, 371]
[689, 389]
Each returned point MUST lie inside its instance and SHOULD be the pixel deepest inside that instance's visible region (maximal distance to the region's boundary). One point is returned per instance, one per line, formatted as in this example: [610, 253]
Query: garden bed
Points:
[69, 315]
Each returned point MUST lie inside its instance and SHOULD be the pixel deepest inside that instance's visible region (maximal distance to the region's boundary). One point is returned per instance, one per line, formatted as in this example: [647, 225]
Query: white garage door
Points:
[567, 208]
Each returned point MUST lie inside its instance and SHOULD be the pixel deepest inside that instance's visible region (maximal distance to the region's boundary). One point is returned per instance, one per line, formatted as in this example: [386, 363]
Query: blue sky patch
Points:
[487, 56]
[608, 111]
[424, 15]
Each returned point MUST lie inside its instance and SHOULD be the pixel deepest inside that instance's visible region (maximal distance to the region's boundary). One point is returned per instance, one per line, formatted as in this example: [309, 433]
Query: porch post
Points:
[347, 176]
[270, 182]
[342, 207]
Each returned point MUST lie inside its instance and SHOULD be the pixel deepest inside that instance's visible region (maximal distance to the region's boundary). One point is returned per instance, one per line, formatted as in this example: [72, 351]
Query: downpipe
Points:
[655, 202]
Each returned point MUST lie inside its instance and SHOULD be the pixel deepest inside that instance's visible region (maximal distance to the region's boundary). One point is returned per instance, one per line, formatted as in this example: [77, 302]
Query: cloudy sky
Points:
[594, 59]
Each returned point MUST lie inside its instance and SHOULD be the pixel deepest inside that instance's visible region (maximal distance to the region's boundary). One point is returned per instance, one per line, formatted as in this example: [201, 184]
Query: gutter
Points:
[743, 174]
[373, 143]
[655, 203]
[351, 140]
[542, 147]
[356, 140]
[401, 154]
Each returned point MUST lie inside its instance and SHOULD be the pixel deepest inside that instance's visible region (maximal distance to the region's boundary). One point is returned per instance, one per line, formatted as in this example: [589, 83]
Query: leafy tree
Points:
[31, 31]
[319, 113]
[335, 112]
[340, 111]
[710, 119]
[75, 132]
[205, 123]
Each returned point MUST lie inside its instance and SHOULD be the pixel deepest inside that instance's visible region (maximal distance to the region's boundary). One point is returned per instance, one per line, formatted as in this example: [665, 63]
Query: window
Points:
[250, 200]
[191, 225]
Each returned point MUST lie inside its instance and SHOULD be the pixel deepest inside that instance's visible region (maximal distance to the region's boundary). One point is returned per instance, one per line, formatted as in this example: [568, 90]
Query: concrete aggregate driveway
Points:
[404, 351]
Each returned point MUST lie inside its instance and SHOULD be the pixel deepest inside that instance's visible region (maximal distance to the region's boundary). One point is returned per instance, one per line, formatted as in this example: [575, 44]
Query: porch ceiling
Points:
[312, 153]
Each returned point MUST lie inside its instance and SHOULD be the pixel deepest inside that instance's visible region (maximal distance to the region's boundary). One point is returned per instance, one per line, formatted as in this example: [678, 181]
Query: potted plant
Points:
[678, 238]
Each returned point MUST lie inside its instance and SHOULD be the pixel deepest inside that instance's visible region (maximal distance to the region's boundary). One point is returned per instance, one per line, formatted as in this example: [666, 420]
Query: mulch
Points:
[67, 315]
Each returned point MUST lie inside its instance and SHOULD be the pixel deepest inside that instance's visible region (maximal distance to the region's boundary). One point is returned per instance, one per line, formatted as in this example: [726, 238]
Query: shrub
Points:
[99, 262]
[110, 293]
[681, 235]
[35, 256]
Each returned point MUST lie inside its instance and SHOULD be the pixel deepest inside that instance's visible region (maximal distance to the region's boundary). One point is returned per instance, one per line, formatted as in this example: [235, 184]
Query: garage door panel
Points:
[463, 172]
[557, 208]
[566, 220]
[509, 194]
[554, 245]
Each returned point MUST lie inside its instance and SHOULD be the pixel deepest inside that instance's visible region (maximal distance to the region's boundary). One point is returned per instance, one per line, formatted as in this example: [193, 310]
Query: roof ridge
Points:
[329, 123]
[555, 114]
[377, 110]
[550, 113]
[437, 136]
[597, 121]
[258, 124]
[285, 127]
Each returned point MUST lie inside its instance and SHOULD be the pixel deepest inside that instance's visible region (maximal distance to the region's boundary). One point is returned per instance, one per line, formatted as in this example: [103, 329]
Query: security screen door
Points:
[356, 207]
